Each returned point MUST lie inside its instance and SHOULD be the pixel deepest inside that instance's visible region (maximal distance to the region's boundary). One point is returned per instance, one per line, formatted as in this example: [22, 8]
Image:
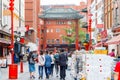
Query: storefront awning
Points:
[114, 40]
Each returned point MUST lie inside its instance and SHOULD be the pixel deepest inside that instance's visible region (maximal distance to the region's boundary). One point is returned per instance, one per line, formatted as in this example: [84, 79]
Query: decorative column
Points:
[76, 37]
[45, 36]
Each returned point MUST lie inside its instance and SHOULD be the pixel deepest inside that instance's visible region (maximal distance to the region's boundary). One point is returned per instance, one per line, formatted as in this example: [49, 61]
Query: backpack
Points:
[56, 56]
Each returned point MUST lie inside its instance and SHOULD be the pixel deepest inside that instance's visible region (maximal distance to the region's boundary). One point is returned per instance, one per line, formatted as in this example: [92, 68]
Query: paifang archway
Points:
[60, 14]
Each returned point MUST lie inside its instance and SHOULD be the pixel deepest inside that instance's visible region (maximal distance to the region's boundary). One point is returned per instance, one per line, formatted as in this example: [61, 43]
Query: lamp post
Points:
[13, 68]
[11, 4]
[89, 30]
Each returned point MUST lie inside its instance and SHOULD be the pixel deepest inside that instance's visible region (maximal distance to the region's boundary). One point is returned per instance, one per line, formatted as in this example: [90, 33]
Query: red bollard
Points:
[21, 67]
[13, 71]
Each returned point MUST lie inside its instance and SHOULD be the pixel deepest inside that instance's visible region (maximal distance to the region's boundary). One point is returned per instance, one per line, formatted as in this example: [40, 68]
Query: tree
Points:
[70, 37]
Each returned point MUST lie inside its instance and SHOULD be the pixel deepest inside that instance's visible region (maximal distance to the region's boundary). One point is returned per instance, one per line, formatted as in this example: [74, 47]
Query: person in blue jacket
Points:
[48, 61]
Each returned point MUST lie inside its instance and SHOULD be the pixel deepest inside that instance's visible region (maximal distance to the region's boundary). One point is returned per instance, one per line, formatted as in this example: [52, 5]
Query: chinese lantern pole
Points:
[89, 30]
[12, 30]
[12, 36]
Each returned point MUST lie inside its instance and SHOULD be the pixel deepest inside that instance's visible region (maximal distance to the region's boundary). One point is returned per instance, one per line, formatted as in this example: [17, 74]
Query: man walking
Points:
[63, 62]
[48, 61]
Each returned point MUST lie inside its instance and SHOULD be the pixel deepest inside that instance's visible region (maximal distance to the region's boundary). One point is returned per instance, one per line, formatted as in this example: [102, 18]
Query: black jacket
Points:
[63, 59]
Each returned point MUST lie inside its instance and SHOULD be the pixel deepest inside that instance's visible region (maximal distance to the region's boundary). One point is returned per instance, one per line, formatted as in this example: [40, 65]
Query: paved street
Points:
[25, 74]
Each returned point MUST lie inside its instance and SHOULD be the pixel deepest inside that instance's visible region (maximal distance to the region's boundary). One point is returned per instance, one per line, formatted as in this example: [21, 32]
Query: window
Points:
[48, 41]
[57, 30]
[63, 41]
[60, 22]
[47, 30]
[52, 40]
[57, 41]
[109, 20]
[117, 15]
[48, 22]
[51, 30]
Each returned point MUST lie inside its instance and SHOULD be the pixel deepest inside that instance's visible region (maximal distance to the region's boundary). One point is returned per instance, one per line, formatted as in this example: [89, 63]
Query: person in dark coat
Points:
[63, 62]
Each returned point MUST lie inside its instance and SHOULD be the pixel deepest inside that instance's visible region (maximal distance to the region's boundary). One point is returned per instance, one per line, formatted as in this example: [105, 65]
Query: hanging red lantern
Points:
[11, 4]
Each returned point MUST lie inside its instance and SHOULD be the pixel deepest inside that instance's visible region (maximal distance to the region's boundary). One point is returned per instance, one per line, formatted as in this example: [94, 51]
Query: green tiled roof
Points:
[60, 13]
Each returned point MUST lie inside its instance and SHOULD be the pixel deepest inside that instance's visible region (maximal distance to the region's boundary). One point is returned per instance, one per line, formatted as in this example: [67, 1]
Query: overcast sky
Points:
[57, 2]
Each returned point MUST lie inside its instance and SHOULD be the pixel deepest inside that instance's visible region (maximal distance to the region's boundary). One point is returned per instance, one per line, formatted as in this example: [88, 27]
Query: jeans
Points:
[62, 72]
[56, 68]
[52, 66]
[40, 70]
[47, 71]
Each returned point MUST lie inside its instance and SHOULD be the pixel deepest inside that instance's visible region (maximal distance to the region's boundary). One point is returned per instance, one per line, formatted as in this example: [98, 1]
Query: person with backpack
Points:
[41, 63]
[32, 57]
[56, 57]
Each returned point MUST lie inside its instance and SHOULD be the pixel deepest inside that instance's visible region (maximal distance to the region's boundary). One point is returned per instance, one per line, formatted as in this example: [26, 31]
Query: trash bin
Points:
[13, 71]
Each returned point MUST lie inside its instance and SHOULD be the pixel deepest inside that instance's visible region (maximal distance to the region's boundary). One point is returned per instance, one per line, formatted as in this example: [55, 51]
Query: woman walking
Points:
[31, 61]
[41, 62]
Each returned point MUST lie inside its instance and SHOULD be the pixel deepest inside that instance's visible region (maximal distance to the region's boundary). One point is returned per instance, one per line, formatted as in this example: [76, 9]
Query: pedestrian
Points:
[112, 53]
[56, 57]
[31, 61]
[52, 63]
[48, 61]
[62, 61]
[41, 63]
[117, 71]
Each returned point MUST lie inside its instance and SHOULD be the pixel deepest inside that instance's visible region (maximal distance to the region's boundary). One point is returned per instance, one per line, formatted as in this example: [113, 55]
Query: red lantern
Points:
[11, 4]
[27, 27]
[89, 27]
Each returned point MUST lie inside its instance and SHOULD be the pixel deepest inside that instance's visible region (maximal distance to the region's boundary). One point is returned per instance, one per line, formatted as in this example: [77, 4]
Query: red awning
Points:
[114, 40]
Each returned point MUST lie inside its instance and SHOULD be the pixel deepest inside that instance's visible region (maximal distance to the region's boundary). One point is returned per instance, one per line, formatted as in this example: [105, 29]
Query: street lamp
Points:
[13, 68]
[11, 4]
[89, 30]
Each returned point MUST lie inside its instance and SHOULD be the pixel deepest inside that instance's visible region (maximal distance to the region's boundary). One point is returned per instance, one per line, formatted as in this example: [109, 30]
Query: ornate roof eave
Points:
[61, 17]
[58, 18]
[60, 13]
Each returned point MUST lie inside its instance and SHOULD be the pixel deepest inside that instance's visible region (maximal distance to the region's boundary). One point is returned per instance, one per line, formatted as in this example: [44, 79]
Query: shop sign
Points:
[100, 25]
[100, 51]
[103, 34]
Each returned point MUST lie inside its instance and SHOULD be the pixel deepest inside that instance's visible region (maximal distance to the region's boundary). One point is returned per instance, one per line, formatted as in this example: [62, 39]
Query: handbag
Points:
[31, 61]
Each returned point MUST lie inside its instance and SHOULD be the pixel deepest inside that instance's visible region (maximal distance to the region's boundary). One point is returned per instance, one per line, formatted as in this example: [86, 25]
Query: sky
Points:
[58, 2]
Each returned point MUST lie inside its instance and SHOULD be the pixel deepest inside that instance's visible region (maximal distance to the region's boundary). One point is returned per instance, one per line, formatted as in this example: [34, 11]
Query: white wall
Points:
[7, 19]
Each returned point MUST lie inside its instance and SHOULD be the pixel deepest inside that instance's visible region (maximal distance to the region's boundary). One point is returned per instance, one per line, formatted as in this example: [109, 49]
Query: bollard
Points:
[13, 71]
[21, 67]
